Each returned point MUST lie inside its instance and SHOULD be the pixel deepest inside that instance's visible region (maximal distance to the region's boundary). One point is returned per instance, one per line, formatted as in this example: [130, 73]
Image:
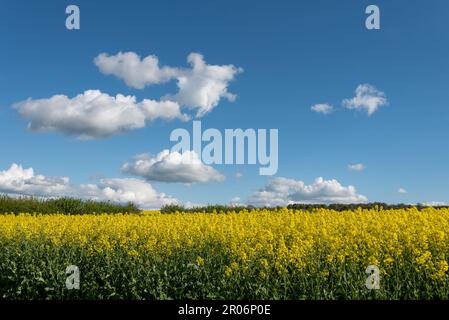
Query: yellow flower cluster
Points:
[266, 243]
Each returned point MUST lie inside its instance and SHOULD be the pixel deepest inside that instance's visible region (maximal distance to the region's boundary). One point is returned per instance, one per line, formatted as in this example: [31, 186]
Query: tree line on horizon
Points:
[69, 206]
[298, 206]
[74, 206]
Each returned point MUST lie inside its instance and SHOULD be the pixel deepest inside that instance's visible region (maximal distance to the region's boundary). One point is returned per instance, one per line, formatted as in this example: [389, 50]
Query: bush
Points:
[206, 209]
[61, 205]
[355, 206]
[296, 206]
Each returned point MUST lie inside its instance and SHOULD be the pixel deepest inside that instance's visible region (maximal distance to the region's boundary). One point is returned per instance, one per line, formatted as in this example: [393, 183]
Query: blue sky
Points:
[294, 54]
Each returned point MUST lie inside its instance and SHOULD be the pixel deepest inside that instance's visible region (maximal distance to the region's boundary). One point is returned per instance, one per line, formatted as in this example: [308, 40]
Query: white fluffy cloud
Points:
[135, 72]
[236, 202]
[323, 108]
[283, 191]
[367, 98]
[172, 167]
[94, 114]
[356, 167]
[200, 87]
[23, 181]
[402, 190]
[203, 86]
[126, 190]
[19, 181]
[435, 204]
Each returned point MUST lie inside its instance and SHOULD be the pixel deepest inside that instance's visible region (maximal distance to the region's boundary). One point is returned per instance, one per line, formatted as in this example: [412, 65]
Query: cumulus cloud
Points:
[356, 167]
[435, 204]
[236, 202]
[169, 166]
[402, 190]
[284, 191]
[192, 205]
[367, 98]
[126, 190]
[323, 108]
[200, 87]
[19, 181]
[203, 86]
[136, 73]
[94, 114]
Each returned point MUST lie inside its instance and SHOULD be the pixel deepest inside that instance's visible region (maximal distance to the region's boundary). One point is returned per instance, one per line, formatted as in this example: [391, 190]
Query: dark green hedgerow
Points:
[205, 209]
[296, 206]
[61, 205]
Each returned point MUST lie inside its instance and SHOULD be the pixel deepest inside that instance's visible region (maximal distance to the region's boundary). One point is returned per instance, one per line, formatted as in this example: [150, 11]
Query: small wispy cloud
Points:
[236, 201]
[434, 203]
[367, 98]
[402, 190]
[356, 167]
[323, 108]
